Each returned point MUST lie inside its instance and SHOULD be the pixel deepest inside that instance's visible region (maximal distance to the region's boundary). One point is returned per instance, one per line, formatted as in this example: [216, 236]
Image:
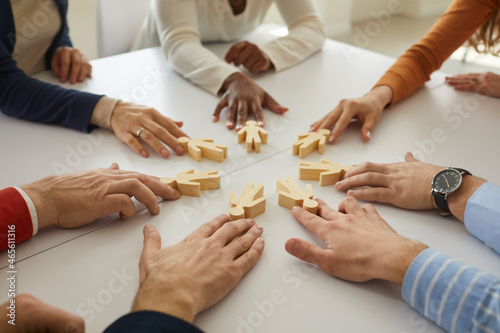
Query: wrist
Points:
[457, 201]
[174, 302]
[103, 111]
[37, 195]
[382, 95]
[395, 269]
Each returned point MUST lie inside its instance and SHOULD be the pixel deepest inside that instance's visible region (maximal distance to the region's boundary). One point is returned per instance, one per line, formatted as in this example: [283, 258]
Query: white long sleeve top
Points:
[180, 27]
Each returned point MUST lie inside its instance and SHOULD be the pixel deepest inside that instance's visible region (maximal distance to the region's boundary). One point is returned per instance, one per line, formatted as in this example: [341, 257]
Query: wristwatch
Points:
[445, 182]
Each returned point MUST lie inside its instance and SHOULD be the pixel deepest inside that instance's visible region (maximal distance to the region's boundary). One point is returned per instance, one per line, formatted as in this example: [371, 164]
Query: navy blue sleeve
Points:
[151, 322]
[22, 96]
[62, 37]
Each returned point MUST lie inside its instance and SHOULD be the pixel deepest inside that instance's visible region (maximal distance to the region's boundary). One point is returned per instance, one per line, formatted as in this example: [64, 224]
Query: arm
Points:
[177, 25]
[306, 34]
[450, 293]
[454, 295]
[151, 321]
[178, 282]
[452, 29]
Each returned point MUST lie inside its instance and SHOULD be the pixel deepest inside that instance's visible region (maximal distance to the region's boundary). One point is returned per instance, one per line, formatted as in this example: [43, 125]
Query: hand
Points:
[187, 278]
[367, 109]
[68, 62]
[485, 84]
[78, 198]
[250, 56]
[360, 245]
[34, 316]
[128, 118]
[406, 185]
[242, 96]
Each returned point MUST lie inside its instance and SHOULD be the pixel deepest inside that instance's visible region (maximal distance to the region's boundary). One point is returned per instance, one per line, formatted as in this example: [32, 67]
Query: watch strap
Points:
[440, 198]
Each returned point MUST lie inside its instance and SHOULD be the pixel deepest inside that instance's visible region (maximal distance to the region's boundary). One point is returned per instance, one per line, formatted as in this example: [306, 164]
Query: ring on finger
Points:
[473, 81]
[138, 134]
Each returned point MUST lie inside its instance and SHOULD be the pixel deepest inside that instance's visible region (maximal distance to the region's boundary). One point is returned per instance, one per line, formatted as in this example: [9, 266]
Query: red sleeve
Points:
[14, 211]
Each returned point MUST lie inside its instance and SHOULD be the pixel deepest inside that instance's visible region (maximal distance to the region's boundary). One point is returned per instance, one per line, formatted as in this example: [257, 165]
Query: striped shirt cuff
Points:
[32, 209]
[447, 291]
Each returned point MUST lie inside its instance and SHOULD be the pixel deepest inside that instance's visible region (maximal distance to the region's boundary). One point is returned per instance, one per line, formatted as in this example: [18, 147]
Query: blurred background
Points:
[384, 26]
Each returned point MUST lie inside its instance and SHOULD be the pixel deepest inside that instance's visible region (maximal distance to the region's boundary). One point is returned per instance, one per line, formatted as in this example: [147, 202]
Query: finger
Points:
[342, 123]
[241, 115]
[148, 137]
[317, 124]
[258, 114]
[89, 70]
[155, 185]
[135, 188]
[369, 209]
[248, 259]
[367, 167]
[272, 105]
[350, 206]
[305, 251]
[231, 114]
[242, 244]
[379, 194]
[259, 66]
[326, 211]
[208, 229]
[165, 136]
[233, 51]
[369, 124]
[466, 87]
[56, 65]
[173, 127]
[83, 73]
[114, 166]
[133, 143]
[52, 319]
[410, 158]
[65, 63]
[76, 65]
[243, 54]
[151, 244]
[372, 179]
[117, 203]
[222, 104]
[311, 221]
[231, 230]
[251, 62]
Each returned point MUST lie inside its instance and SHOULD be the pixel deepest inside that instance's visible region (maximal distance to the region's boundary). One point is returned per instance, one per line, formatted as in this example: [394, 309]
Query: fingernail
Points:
[164, 152]
[331, 138]
[369, 135]
[144, 154]
[295, 209]
[179, 150]
[350, 192]
[177, 194]
[339, 184]
[260, 123]
[157, 210]
[260, 240]
[294, 248]
[240, 126]
[214, 119]
[258, 226]
[229, 124]
[148, 228]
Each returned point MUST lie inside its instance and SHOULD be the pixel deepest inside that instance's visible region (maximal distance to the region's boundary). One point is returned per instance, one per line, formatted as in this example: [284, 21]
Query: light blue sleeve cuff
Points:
[482, 215]
[445, 290]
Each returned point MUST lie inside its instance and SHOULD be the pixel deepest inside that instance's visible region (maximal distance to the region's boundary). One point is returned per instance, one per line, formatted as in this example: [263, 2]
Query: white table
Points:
[69, 268]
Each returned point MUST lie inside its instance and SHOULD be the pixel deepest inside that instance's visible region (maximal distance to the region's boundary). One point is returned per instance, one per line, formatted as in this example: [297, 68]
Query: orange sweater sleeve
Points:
[453, 28]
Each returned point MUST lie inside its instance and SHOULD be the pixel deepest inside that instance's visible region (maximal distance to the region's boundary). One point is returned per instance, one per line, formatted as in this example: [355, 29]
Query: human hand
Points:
[360, 245]
[69, 63]
[74, 199]
[406, 185]
[128, 118]
[485, 84]
[367, 109]
[242, 96]
[250, 56]
[34, 316]
[191, 276]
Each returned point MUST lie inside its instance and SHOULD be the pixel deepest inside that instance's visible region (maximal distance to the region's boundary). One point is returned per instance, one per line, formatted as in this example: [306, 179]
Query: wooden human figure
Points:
[328, 172]
[290, 194]
[198, 148]
[253, 135]
[249, 204]
[190, 183]
[309, 142]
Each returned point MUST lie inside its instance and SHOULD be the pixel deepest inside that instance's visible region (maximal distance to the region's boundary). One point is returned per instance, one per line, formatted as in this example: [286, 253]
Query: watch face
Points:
[447, 181]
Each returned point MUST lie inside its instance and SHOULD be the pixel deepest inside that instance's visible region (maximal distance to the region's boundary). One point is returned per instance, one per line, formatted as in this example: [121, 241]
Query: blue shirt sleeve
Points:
[454, 295]
[482, 215]
[151, 322]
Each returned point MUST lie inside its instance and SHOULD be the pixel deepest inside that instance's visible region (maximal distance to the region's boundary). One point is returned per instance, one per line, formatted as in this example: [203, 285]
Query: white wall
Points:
[81, 21]
[362, 9]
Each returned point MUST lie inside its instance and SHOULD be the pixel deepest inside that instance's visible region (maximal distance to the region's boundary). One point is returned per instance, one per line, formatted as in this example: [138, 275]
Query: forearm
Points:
[451, 293]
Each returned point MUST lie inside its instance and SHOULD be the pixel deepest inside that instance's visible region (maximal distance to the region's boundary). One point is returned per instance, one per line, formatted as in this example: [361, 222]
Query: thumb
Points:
[114, 166]
[304, 250]
[366, 130]
[410, 158]
[152, 244]
[272, 105]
